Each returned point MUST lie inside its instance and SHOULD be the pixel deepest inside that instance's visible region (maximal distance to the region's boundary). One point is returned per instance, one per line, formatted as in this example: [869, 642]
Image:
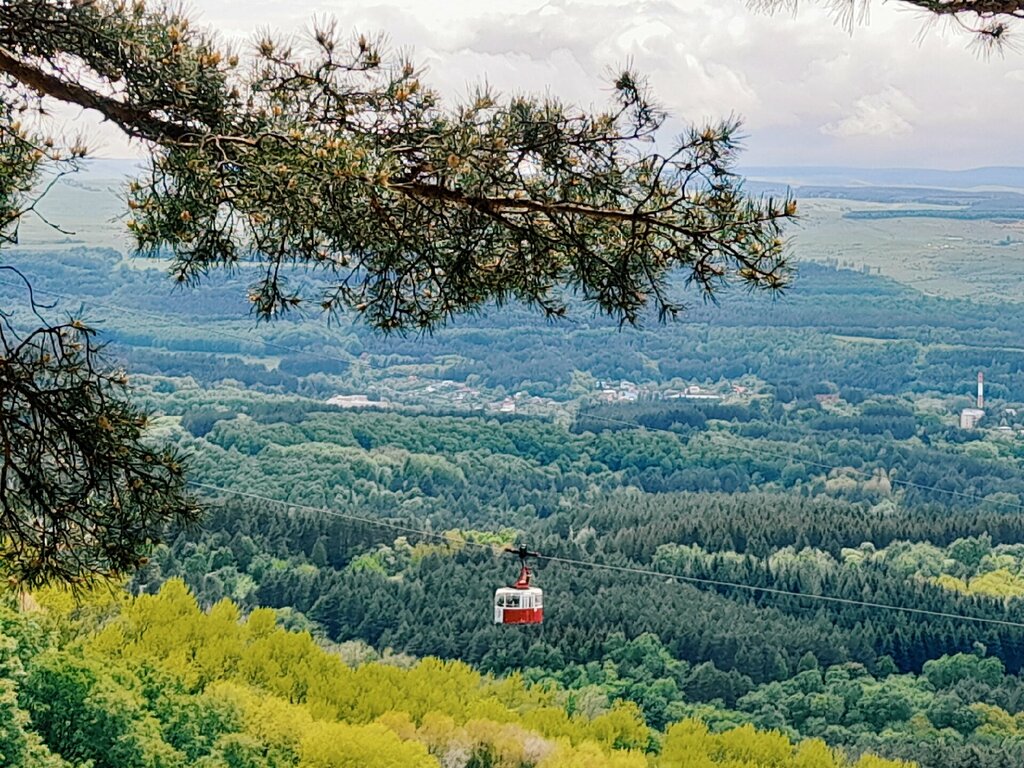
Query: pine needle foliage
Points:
[330, 157]
[991, 22]
[83, 493]
[331, 153]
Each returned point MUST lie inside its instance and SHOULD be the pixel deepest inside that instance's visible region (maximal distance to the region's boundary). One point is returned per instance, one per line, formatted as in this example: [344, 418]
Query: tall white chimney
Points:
[981, 390]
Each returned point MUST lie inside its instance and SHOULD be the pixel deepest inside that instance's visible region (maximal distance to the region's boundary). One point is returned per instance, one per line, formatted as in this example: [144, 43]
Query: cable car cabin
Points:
[519, 605]
[522, 603]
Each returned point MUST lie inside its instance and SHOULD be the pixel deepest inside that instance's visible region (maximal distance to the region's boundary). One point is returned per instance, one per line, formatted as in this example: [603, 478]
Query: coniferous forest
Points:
[685, 540]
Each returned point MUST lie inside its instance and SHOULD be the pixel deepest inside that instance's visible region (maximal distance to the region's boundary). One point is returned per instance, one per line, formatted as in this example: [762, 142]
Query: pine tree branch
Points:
[136, 123]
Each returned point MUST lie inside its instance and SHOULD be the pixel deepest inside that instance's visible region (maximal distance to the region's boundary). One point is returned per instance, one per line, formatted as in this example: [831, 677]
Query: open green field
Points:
[81, 212]
[979, 259]
[946, 257]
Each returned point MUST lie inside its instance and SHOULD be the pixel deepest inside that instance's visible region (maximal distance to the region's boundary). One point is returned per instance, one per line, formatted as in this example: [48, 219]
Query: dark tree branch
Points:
[324, 157]
[990, 21]
[134, 122]
[80, 491]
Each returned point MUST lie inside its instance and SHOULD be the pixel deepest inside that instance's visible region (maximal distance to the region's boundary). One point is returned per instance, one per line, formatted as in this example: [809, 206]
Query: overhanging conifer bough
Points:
[327, 154]
[990, 21]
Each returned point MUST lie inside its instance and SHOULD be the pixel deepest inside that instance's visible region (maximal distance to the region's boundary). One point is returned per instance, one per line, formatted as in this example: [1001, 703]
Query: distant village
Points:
[627, 391]
[414, 390]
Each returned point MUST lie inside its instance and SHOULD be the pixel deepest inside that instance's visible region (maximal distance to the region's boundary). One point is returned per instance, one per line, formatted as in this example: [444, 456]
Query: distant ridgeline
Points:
[977, 194]
[849, 178]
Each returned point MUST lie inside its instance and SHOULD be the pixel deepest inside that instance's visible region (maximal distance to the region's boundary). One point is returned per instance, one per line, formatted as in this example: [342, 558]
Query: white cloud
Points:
[879, 114]
[809, 91]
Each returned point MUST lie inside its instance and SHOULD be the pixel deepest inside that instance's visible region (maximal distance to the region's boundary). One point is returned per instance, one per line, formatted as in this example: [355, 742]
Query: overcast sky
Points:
[809, 92]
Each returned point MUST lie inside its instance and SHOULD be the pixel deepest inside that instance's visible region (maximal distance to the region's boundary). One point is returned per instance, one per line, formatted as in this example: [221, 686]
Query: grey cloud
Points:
[809, 91]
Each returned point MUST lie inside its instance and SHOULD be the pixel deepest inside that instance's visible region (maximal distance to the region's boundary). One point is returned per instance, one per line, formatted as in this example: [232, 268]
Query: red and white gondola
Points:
[522, 603]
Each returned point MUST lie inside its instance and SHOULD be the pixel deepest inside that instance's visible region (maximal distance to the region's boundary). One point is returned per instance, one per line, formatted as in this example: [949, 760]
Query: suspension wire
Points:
[450, 538]
[722, 440]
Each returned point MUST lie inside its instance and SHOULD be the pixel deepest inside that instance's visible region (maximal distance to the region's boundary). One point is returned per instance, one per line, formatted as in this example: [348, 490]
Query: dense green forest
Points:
[836, 331]
[822, 457]
[612, 488]
[671, 648]
[124, 683]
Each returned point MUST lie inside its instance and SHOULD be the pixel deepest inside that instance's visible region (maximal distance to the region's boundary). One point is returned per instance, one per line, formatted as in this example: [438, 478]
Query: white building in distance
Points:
[969, 417]
[357, 401]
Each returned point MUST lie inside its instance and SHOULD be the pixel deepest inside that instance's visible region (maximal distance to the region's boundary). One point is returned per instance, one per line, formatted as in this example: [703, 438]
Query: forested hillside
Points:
[837, 330]
[153, 681]
[820, 458]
